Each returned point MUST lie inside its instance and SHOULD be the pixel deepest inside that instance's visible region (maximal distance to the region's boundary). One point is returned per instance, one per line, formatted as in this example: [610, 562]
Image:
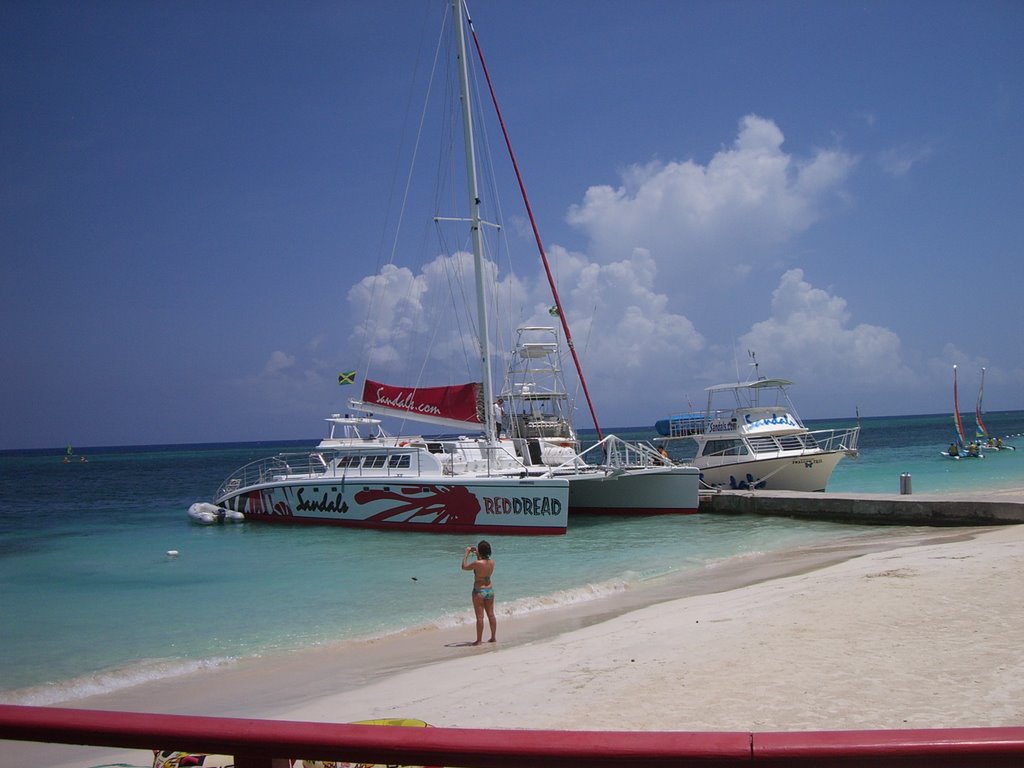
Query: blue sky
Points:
[195, 197]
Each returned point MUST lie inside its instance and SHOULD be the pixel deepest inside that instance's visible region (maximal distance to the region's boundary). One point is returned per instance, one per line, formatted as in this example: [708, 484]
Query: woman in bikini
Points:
[483, 590]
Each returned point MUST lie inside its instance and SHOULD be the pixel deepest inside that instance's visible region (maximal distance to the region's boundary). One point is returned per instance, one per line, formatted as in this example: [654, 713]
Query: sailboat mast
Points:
[474, 215]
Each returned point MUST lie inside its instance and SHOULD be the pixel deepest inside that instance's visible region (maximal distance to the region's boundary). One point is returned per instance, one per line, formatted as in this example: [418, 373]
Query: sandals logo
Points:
[324, 504]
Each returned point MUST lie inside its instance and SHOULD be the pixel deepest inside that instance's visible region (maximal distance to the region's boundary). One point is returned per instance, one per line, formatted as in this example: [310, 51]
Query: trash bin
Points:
[905, 487]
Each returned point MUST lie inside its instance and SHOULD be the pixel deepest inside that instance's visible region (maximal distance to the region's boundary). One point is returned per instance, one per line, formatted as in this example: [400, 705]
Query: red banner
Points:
[459, 403]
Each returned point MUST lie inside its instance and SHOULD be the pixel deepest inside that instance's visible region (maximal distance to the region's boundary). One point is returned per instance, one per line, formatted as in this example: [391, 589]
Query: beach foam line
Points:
[111, 681]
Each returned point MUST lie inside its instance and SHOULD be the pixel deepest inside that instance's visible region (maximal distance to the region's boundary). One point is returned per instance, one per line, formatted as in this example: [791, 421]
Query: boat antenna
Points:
[753, 357]
[536, 231]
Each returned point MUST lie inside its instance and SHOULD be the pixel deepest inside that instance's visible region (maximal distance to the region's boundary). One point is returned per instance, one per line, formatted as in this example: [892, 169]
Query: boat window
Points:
[348, 461]
[810, 441]
[399, 461]
[724, 448]
[791, 442]
[375, 461]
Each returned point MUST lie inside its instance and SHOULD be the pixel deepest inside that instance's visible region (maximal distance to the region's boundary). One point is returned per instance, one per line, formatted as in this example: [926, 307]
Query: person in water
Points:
[483, 591]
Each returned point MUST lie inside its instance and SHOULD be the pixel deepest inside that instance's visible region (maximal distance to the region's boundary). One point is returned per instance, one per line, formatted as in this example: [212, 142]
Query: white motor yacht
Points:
[758, 440]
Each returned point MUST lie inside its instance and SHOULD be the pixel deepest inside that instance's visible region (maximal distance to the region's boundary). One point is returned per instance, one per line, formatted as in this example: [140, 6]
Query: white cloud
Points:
[631, 341]
[386, 308]
[623, 328]
[410, 321]
[738, 209]
[279, 361]
[899, 161]
[809, 335]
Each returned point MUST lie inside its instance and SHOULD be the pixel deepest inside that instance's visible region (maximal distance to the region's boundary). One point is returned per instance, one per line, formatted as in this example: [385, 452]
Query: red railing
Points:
[269, 743]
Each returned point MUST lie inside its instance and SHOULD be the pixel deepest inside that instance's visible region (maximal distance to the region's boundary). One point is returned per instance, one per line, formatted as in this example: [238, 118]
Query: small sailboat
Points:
[981, 432]
[69, 454]
[959, 448]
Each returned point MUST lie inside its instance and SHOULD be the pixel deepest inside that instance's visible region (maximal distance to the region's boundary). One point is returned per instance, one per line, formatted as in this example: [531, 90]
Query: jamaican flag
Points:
[348, 377]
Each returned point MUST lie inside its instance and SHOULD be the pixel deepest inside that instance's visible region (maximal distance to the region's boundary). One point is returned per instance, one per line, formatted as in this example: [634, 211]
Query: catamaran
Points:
[474, 481]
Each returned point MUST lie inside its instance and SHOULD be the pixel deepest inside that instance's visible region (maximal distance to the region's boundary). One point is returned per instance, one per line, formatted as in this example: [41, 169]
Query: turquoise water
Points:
[92, 601]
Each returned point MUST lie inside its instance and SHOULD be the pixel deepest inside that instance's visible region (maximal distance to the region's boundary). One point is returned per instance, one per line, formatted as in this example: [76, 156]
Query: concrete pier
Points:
[996, 508]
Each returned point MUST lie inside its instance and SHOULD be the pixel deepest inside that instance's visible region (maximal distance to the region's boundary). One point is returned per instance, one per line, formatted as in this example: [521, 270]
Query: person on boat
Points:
[483, 591]
[972, 449]
[499, 416]
[953, 450]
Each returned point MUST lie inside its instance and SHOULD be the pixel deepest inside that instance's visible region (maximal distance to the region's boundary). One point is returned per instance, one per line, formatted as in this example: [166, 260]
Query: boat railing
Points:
[816, 441]
[266, 469]
[386, 461]
[844, 440]
[614, 453]
[319, 465]
[686, 424]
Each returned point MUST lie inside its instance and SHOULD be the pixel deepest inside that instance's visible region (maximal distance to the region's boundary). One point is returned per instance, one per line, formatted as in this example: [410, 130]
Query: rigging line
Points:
[536, 232]
[586, 346]
[378, 284]
[446, 201]
[458, 277]
[497, 235]
[456, 269]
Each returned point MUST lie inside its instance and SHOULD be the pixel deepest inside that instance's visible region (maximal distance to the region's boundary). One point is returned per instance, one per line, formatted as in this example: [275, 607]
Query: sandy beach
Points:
[911, 630]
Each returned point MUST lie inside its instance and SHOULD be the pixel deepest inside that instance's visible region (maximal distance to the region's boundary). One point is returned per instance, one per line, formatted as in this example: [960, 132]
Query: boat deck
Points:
[993, 508]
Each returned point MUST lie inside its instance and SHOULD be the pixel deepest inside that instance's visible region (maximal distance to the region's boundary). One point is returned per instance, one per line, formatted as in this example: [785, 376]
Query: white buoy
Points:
[172, 553]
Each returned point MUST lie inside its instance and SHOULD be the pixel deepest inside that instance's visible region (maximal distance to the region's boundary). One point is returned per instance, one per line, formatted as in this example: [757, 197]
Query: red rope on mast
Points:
[536, 232]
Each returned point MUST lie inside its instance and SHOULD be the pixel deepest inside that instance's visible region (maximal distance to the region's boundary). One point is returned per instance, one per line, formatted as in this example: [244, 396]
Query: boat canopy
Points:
[759, 384]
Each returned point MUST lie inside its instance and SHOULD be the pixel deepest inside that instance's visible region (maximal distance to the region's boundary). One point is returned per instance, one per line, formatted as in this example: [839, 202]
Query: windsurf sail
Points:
[956, 414]
[981, 432]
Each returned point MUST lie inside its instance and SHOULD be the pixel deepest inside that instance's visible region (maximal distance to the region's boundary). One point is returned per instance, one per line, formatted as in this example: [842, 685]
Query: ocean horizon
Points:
[304, 442]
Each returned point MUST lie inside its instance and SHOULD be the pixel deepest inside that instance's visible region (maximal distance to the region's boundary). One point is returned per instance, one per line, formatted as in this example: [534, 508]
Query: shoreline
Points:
[579, 667]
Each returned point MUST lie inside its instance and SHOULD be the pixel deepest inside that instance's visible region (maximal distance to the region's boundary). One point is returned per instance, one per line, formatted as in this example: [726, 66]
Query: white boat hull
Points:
[653, 491]
[809, 472]
[479, 505]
